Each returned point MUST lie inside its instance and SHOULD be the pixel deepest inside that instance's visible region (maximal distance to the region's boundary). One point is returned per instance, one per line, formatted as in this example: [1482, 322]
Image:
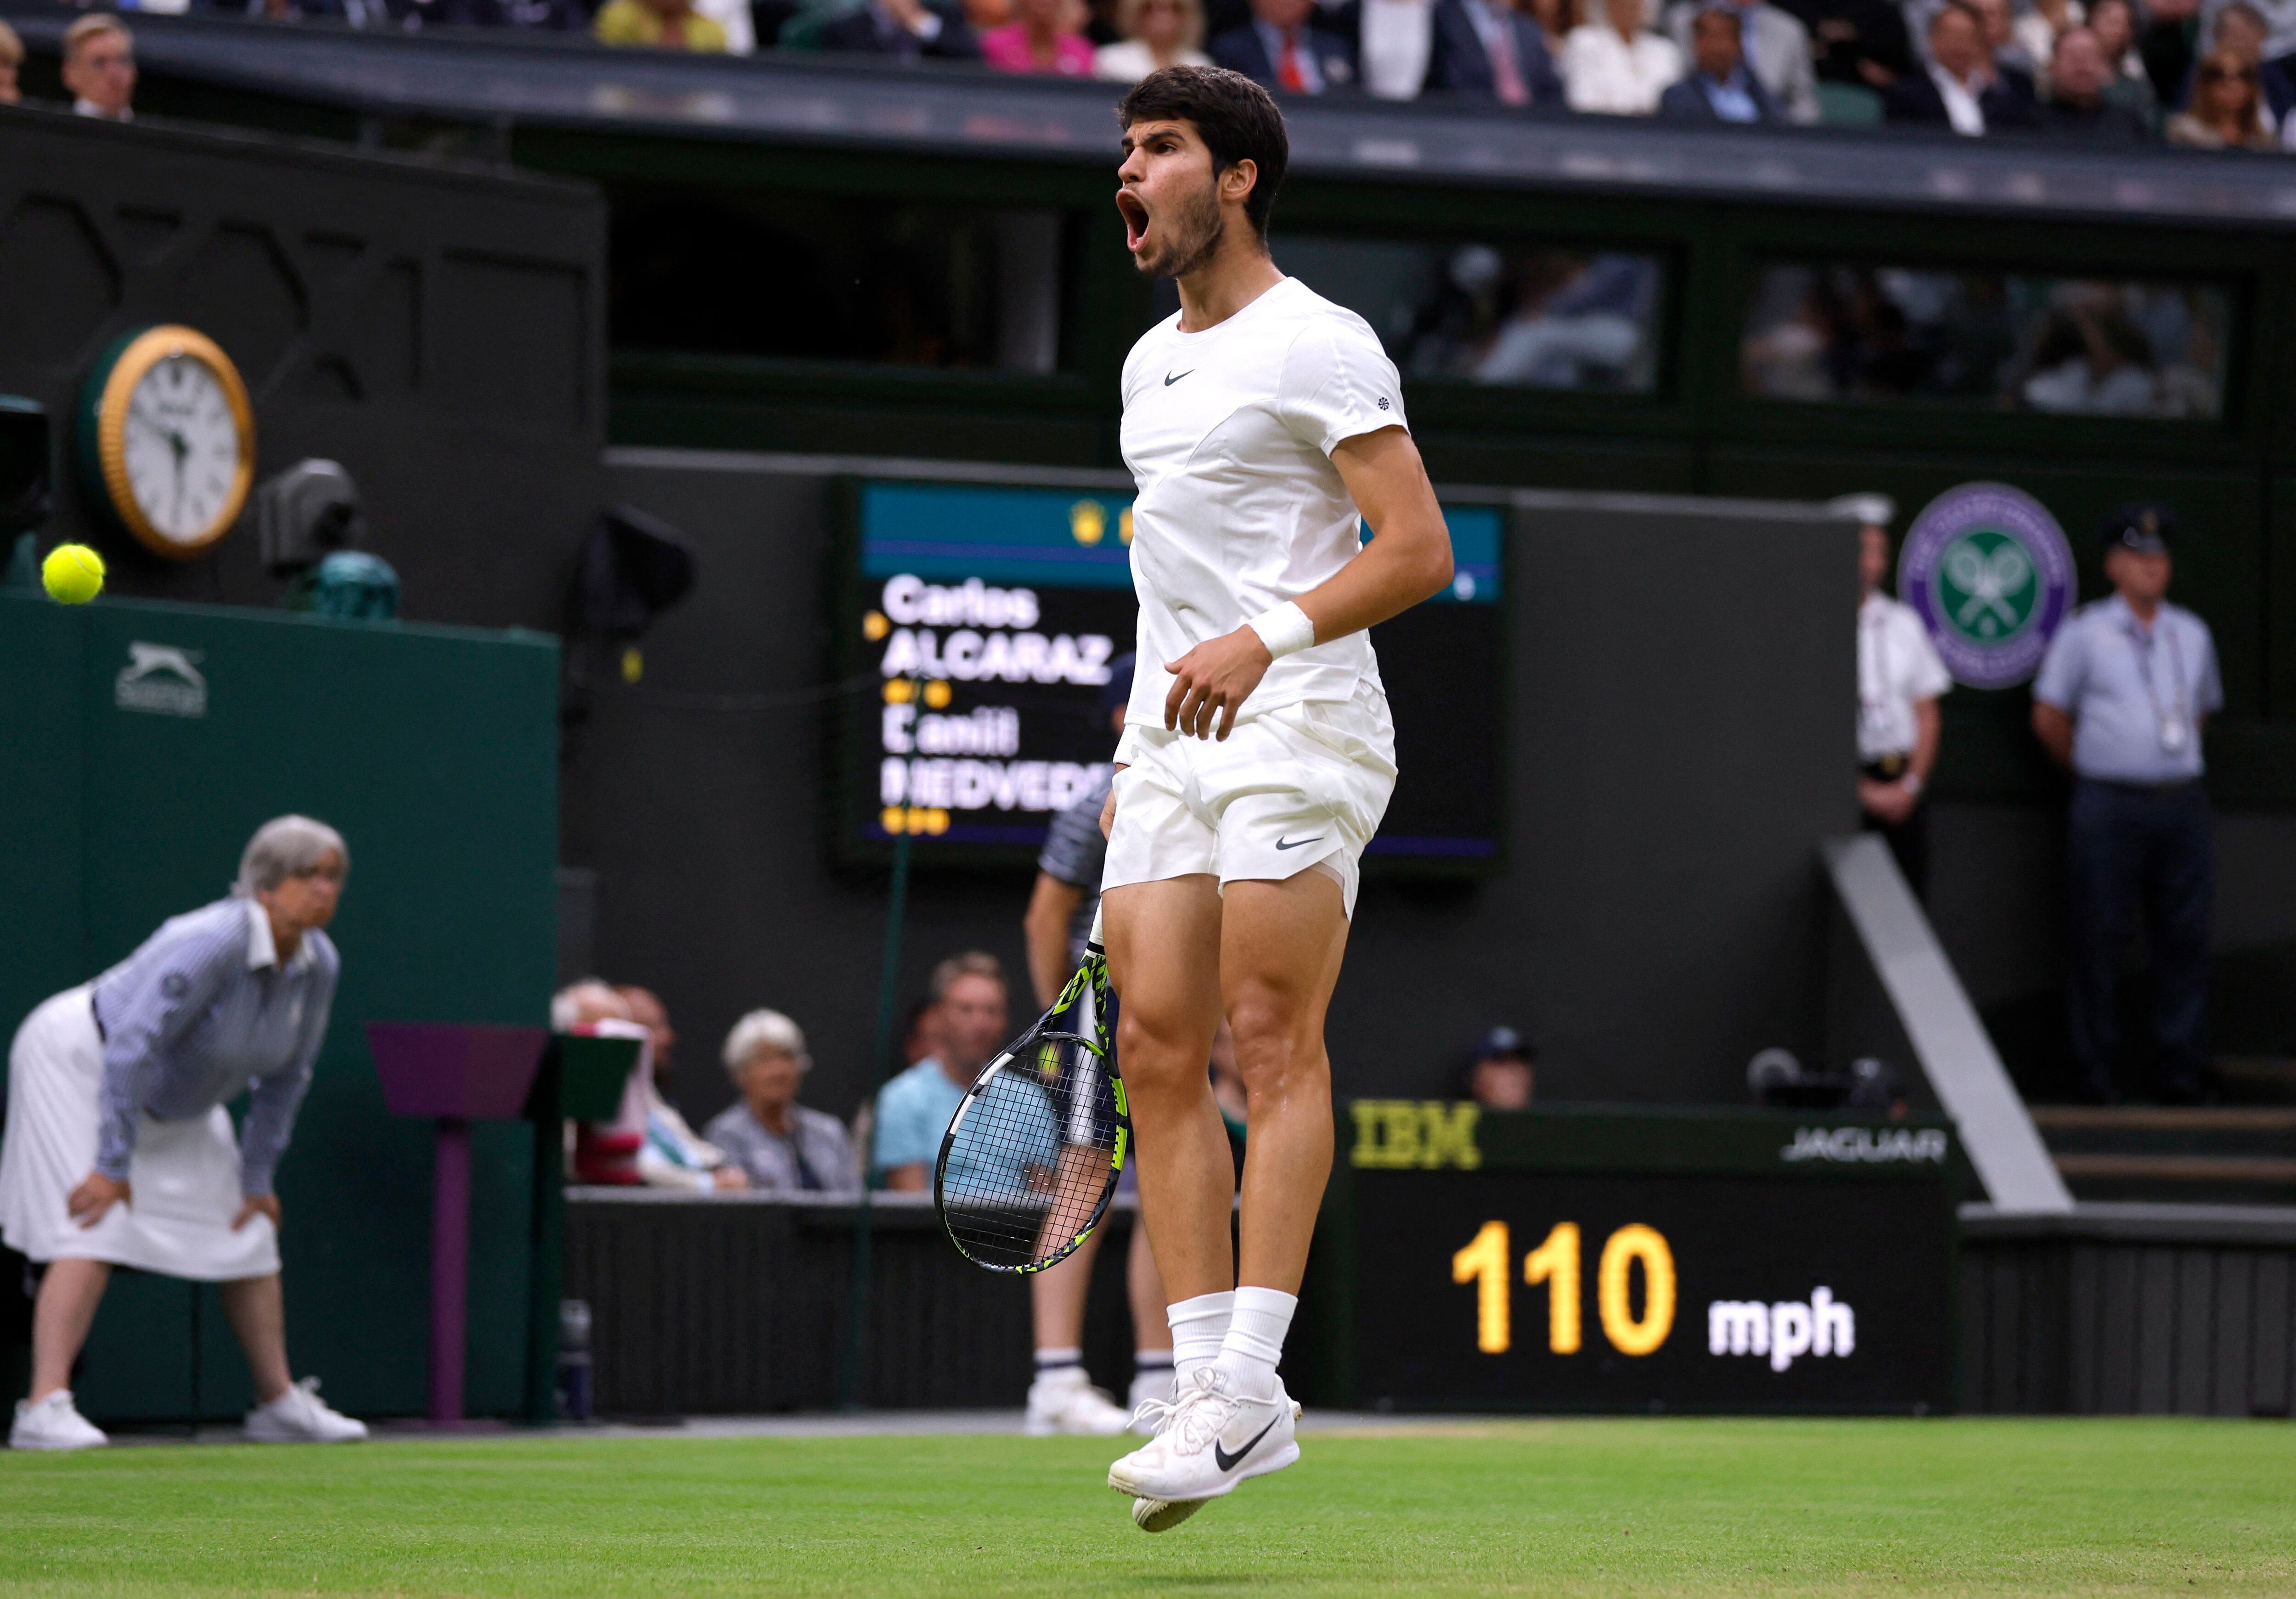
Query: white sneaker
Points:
[1150, 1388]
[1206, 1441]
[54, 1423]
[1065, 1401]
[299, 1416]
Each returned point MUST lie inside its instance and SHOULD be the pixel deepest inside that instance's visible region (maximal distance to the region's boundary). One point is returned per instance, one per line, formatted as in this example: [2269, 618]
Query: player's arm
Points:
[1052, 908]
[1409, 560]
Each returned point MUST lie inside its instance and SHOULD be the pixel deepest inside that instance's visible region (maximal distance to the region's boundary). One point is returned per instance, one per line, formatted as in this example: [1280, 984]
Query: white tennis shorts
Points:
[1299, 786]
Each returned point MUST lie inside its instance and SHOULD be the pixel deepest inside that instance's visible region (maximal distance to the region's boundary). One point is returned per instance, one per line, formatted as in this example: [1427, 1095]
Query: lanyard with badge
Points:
[2173, 720]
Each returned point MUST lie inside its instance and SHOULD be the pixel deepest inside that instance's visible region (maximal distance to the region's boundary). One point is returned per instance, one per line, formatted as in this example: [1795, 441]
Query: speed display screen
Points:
[986, 619]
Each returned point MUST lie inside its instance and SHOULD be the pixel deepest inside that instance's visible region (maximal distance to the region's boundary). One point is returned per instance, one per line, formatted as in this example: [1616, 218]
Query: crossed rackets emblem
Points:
[1988, 581]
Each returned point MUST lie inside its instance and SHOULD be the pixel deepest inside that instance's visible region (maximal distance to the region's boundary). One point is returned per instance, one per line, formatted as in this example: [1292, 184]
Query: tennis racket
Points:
[1032, 1156]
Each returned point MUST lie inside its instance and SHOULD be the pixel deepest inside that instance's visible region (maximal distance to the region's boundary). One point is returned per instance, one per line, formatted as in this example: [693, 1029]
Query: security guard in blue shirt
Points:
[2120, 699]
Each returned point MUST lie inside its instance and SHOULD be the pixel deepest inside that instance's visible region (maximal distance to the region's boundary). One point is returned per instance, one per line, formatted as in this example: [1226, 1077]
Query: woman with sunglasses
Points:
[2224, 112]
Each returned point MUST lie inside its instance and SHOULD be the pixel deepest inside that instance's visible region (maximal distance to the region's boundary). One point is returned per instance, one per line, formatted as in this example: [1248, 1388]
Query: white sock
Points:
[1197, 1325]
[1056, 1362]
[1255, 1340]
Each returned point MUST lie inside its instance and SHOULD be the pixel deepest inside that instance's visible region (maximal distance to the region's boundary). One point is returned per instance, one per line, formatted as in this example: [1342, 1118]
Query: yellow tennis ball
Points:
[73, 573]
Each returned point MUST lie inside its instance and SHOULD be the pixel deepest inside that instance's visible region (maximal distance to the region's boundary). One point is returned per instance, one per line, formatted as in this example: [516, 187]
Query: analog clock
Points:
[167, 439]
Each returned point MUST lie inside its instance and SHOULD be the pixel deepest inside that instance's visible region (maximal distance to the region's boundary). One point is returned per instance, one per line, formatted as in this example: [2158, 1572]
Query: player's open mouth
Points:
[1135, 211]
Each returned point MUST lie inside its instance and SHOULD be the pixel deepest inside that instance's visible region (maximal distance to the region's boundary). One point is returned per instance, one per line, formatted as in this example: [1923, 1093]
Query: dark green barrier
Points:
[128, 786]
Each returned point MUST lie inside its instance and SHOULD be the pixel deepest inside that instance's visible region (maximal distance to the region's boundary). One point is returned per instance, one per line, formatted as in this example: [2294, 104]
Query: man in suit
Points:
[905, 30]
[1775, 47]
[1719, 88]
[1487, 50]
[1962, 89]
[1282, 49]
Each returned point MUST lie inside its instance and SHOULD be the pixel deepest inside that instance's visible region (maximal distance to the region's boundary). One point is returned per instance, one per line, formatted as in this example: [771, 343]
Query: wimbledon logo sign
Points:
[1989, 569]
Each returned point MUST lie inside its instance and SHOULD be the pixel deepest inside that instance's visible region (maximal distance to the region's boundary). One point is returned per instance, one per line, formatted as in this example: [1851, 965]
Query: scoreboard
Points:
[981, 621]
[1619, 1258]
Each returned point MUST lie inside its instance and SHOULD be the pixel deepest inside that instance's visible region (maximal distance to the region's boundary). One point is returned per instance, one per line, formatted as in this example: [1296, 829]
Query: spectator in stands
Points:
[1282, 48]
[1863, 42]
[1719, 88]
[2114, 23]
[659, 24]
[1157, 34]
[1395, 39]
[1487, 50]
[2078, 74]
[647, 1142]
[11, 57]
[782, 1147]
[2241, 28]
[1961, 89]
[1501, 1077]
[1618, 66]
[119, 1149]
[1775, 46]
[914, 1110]
[904, 30]
[675, 1155]
[2010, 57]
[2121, 699]
[1900, 681]
[1038, 40]
[2038, 28]
[548, 16]
[99, 67]
[2226, 109]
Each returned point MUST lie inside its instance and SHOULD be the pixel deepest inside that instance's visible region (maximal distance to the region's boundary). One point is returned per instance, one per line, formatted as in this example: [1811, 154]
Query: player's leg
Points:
[1062, 1398]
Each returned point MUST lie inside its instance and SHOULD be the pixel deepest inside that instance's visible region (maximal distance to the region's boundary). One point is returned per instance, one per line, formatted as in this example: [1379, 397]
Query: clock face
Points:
[182, 448]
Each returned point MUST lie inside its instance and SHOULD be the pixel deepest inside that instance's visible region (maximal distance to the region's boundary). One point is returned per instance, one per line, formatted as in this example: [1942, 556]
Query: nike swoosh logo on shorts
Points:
[1227, 1461]
[1170, 379]
[1295, 843]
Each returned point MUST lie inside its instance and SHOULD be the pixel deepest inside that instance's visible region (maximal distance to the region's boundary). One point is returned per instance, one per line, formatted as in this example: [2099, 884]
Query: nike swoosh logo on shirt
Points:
[1172, 378]
[1295, 843]
[1227, 1461]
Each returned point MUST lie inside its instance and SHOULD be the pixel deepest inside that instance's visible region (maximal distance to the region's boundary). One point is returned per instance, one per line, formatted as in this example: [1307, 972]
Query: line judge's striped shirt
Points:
[202, 1011]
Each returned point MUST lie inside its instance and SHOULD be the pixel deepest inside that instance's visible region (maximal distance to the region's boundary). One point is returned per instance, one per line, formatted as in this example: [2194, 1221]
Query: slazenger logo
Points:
[1867, 1144]
[161, 680]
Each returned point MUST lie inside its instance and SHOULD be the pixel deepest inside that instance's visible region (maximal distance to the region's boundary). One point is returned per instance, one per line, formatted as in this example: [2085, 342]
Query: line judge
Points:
[118, 1150]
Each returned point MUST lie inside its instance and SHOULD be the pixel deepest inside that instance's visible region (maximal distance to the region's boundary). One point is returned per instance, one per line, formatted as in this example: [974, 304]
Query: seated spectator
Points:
[99, 67]
[1860, 42]
[904, 30]
[1617, 66]
[783, 1147]
[1394, 40]
[1157, 34]
[2241, 28]
[1719, 88]
[1774, 46]
[1500, 1078]
[11, 57]
[646, 1142]
[2078, 75]
[1038, 40]
[657, 24]
[914, 1111]
[1580, 327]
[548, 16]
[2010, 57]
[2114, 23]
[674, 1156]
[1282, 48]
[1487, 50]
[1962, 89]
[2036, 28]
[2226, 109]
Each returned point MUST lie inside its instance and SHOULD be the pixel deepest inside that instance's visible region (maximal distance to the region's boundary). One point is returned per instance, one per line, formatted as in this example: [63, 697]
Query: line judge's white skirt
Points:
[183, 1177]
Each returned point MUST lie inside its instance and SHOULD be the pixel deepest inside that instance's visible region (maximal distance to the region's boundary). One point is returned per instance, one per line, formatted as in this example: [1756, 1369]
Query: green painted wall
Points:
[435, 751]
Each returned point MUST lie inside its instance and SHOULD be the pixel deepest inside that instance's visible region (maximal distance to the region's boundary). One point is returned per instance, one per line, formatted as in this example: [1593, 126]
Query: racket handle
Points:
[1096, 939]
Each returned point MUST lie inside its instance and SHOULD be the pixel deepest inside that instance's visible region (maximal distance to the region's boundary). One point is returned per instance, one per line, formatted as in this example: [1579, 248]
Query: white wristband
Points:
[1285, 629]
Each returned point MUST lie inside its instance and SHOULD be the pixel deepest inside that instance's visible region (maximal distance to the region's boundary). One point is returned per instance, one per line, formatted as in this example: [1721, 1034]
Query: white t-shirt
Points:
[1896, 665]
[1229, 434]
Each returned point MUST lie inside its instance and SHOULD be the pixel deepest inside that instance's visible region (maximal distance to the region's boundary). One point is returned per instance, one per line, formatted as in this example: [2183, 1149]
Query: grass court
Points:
[1552, 1507]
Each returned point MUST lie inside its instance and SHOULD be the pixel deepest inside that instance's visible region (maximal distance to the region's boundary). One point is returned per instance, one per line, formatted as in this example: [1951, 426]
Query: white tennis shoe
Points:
[1207, 1440]
[1065, 1401]
[54, 1423]
[299, 1416]
[1150, 1388]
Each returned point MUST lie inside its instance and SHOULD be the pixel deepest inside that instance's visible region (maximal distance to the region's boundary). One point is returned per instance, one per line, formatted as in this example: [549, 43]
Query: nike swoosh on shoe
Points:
[1227, 1461]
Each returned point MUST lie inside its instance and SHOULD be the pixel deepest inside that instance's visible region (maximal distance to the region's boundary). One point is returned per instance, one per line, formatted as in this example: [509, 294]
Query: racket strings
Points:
[1031, 1160]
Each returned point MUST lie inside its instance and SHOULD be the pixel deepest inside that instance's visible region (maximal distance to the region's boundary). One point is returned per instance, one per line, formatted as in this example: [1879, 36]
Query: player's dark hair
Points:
[1235, 118]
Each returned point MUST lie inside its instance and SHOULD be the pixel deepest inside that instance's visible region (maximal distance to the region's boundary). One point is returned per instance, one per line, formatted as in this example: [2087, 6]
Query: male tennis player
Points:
[1257, 757]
